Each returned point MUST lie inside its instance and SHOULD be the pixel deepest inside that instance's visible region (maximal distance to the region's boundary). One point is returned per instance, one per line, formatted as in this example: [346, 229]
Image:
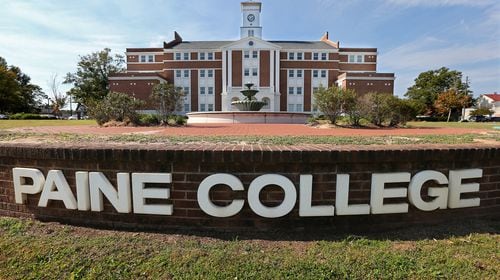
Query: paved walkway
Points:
[249, 129]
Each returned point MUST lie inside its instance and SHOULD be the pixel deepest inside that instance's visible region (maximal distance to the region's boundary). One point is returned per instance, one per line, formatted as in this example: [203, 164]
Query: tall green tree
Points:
[167, 99]
[90, 81]
[428, 85]
[330, 101]
[17, 93]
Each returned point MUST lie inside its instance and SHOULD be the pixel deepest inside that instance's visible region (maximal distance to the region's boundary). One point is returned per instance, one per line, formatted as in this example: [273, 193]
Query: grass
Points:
[255, 140]
[471, 125]
[35, 250]
[7, 124]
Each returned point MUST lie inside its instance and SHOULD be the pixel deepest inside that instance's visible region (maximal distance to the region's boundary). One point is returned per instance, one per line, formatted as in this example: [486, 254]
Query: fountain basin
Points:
[247, 117]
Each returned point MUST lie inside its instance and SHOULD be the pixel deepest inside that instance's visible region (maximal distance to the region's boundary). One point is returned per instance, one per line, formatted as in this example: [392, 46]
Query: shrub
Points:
[115, 106]
[482, 112]
[27, 116]
[148, 119]
[329, 101]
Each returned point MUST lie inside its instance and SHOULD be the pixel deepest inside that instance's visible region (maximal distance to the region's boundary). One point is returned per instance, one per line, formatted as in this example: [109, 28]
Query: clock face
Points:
[251, 17]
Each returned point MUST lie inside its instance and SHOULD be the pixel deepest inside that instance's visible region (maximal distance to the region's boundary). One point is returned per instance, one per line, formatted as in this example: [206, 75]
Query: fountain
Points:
[249, 103]
[248, 112]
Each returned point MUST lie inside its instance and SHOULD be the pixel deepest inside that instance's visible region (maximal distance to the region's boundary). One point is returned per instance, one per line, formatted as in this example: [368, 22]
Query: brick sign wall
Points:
[189, 165]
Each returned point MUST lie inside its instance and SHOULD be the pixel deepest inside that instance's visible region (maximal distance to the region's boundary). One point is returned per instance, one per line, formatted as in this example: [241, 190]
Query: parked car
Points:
[4, 117]
[479, 118]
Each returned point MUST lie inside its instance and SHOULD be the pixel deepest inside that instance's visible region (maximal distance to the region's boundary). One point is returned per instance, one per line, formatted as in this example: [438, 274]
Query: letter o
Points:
[204, 198]
[272, 179]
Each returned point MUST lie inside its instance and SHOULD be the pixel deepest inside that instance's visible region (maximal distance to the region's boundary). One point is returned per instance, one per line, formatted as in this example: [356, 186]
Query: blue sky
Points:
[412, 36]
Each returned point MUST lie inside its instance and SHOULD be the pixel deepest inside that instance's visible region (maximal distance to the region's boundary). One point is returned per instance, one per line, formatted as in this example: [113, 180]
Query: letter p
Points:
[21, 188]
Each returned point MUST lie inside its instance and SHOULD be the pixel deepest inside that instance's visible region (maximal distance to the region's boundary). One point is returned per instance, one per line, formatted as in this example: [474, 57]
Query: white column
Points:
[271, 72]
[224, 82]
[277, 89]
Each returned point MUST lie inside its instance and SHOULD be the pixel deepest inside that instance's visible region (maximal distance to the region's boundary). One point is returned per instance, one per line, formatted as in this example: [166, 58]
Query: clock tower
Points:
[250, 12]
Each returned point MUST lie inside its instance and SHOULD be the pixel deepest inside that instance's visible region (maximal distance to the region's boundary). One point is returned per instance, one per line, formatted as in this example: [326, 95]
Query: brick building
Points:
[286, 73]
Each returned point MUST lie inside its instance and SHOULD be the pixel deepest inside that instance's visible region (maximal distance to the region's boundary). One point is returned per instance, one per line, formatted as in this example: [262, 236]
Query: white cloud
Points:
[437, 3]
[426, 53]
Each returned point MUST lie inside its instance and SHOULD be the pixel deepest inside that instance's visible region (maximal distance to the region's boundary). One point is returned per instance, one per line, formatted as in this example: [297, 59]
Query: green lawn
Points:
[34, 250]
[6, 124]
[472, 125]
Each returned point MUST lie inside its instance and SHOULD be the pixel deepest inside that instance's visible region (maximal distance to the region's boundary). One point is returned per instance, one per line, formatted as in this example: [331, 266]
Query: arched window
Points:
[268, 103]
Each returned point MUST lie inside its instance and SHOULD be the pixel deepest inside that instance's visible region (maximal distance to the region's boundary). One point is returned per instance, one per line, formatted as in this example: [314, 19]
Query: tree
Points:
[428, 85]
[90, 81]
[167, 99]
[482, 112]
[353, 107]
[58, 98]
[115, 106]
[17, 93]
[329, 101]
[449, 100]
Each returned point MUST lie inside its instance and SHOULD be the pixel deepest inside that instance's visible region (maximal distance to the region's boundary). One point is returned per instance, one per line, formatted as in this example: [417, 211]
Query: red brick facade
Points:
[190, 164]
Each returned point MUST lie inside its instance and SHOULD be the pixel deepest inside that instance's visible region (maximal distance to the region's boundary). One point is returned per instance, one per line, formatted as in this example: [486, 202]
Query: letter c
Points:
[204, 198]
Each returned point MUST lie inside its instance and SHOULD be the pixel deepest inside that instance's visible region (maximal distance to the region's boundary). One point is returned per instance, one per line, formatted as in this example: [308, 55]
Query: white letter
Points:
[82, 190]
[214, 210]
[100, 185]
[57, 188]
[305, 204]
[342, 199]
[378, 192]
[440, 194]
[21, 188]
[140, 193]
[457, 188]
[272, 212]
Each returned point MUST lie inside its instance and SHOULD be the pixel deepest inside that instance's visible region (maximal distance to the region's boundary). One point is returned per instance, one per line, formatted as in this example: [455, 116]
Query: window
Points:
[247, 72]
[299, 56]
[202, 107]
[291, 73]
[290, 90]
[351, 58]
[291, 56]
[299, 73]
[291, 107]
[151, 58]
[210, 90]
[186, 90]
[255, 54]
[210, 73]
[298, 107]
[186, 107]
[315, 73]
[178, 56]
[186, 56]
[210, 107]
[143, 58]
[202, 56]
[360, 59]
[250, 33]
[254, 72]
[246, 54]
[315, 56]
[323, 73]
[186, 73]
[315, 89]
[202, 73]
[202, 90]
[299, 90]
[210, 56]
[323, 56]
[178, 73]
